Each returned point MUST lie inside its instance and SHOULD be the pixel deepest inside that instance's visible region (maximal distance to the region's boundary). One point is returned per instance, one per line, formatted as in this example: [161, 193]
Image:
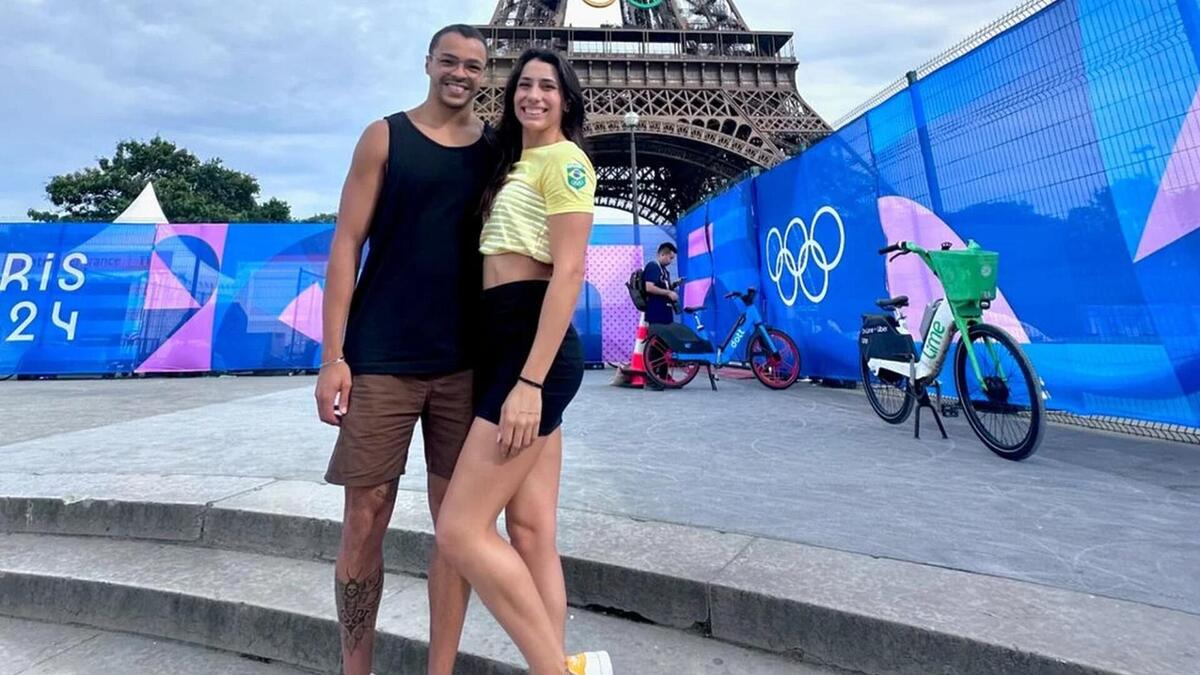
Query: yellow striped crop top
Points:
[548, 180]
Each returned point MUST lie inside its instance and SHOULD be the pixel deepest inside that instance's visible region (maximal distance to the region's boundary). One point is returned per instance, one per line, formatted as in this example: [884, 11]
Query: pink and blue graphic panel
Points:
[1070, 144]
[91, 298]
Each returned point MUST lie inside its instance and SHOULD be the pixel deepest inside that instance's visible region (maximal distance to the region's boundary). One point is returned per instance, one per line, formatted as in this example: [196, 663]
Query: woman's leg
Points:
[483, 483]
[532, 521]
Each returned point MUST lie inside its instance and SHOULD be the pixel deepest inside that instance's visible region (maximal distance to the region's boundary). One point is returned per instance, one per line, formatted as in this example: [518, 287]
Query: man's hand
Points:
[673, 296]
[333, 393]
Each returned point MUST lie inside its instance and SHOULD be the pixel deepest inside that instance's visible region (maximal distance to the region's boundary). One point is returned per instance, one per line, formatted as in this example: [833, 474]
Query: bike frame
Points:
[945, 326]
[737, 334]
[934, 349]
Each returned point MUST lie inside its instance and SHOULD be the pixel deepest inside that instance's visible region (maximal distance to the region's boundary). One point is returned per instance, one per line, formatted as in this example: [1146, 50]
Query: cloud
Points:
[281, 89]
[850, 50]
[277, 89]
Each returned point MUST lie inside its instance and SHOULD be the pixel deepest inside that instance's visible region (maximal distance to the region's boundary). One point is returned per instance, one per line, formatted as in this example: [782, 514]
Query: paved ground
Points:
[1092, 511]
[35, 648]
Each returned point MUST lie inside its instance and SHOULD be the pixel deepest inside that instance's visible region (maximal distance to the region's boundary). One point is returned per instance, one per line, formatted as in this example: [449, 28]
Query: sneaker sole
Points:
[601, 661]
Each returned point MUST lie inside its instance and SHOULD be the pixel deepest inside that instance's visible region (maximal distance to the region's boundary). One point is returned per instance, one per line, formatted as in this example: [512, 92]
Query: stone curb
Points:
[296, 639]
[848, 610]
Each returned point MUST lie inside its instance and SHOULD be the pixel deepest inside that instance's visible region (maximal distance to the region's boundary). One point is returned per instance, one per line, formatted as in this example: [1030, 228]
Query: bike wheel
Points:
[1006, 411]
[663, 369]
[779, 370]
[888, 394]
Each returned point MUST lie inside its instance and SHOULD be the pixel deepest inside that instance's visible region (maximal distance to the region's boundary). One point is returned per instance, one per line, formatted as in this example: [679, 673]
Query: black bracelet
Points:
[529, 382]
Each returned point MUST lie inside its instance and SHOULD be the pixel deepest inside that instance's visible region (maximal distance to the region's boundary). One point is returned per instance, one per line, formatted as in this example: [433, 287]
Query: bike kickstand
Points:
[938, 418]
[924, 402]
[712, 380]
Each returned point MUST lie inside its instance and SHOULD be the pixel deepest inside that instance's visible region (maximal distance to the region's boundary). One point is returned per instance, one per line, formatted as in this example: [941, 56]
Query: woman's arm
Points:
[569, 234]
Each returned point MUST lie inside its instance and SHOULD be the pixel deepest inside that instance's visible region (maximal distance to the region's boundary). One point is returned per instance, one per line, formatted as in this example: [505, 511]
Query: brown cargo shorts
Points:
[372, 446]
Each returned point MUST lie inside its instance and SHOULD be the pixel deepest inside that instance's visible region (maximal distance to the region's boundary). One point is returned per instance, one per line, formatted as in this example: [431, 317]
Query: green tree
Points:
[320, 218]
[189, 190]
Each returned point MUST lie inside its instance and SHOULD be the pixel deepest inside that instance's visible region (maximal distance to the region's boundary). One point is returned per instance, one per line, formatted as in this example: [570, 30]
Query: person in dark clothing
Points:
[660, 289]
[398, 343]
[661, 298]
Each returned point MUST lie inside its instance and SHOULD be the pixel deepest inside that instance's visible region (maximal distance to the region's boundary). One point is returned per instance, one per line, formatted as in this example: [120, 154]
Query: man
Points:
[396, 345]
[660, 290]
[660, 296]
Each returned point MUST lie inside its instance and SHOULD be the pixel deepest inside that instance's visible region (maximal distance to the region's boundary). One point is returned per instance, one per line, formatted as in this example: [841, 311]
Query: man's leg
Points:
[444, 425]
[359, 572]
[370, 455]
[660, 369]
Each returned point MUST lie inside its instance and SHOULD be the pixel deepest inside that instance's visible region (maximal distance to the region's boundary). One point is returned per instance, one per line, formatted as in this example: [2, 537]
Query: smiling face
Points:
[455, 70]
[538, 98]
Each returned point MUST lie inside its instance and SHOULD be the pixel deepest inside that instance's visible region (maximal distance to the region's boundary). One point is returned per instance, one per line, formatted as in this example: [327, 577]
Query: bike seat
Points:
[692, 310]
[898, 302]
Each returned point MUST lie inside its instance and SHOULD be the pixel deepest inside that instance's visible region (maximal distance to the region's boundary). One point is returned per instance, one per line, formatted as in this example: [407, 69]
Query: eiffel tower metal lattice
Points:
[714, 97]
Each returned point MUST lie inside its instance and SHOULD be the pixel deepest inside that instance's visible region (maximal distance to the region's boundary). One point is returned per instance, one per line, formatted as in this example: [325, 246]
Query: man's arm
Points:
[652, 276]
[359, 195]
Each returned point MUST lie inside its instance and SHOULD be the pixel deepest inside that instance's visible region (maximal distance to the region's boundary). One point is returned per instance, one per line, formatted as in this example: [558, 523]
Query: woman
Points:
[537, 220]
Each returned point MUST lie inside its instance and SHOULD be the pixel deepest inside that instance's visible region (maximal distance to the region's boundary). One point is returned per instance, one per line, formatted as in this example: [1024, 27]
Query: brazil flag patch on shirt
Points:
[576, 175]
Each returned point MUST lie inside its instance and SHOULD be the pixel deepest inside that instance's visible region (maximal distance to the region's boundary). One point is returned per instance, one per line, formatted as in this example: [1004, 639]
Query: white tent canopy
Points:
[144, 209]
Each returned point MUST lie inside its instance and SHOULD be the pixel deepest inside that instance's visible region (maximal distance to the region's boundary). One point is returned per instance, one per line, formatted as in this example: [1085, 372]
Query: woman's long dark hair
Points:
[509, 133]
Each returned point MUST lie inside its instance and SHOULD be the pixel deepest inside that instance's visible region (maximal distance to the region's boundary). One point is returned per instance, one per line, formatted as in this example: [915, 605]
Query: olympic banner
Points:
[818, 230]
[94, 298]
[65, 296]
[722, 256]
[1081, 174]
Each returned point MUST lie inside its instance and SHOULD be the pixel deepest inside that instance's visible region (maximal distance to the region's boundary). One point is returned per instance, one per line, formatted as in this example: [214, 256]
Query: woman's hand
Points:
[520, 417]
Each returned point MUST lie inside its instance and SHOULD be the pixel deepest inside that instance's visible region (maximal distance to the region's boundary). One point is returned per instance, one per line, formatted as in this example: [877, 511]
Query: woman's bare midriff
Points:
[506, 268]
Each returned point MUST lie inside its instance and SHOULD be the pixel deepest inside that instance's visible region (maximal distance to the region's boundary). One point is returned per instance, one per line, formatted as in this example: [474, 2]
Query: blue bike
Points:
[675, 352]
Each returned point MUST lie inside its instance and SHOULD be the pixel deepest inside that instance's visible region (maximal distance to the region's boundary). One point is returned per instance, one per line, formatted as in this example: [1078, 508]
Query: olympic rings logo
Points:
[640, 4]
[783, 261]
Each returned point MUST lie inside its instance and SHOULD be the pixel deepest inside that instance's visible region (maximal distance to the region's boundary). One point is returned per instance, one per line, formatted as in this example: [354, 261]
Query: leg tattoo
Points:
[357, 605]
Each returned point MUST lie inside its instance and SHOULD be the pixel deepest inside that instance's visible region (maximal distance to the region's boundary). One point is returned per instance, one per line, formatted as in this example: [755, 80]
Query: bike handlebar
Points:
[892, 248]
[747, 296]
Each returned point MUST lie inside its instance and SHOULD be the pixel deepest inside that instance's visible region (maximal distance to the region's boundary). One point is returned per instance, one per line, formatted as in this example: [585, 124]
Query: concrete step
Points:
[281, 609]
[858, 612]
[38, 648]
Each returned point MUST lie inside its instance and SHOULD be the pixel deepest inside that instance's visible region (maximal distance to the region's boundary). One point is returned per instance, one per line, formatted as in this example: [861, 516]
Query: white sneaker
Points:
[590, 663]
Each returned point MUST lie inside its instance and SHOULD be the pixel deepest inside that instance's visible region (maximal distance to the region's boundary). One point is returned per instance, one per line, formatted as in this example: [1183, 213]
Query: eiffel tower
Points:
[715, 99]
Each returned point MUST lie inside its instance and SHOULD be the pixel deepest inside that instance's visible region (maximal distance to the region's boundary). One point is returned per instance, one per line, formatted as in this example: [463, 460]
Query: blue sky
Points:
[281, 90]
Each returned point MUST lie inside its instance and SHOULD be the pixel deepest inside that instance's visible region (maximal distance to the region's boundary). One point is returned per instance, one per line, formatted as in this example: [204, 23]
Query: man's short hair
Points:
[469, 32]
[667, 247]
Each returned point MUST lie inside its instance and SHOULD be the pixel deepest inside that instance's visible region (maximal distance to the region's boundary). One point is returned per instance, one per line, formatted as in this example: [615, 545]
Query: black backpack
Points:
[637, 289]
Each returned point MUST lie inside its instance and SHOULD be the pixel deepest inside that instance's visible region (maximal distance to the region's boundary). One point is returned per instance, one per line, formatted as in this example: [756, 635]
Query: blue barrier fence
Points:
[1070, 143]
[99, 298]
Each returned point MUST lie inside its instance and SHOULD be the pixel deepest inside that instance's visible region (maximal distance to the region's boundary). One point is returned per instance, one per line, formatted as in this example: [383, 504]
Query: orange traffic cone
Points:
[634, 375]
[637, 363]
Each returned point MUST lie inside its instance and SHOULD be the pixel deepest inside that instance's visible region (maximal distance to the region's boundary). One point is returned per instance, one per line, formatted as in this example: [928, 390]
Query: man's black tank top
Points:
[415, 303]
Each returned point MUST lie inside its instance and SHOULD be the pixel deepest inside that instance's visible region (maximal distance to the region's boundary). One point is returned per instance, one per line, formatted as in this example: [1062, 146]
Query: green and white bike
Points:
[998, 389]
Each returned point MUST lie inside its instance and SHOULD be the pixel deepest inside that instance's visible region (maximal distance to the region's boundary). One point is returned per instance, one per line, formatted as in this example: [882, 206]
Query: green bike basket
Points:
[968, 275]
